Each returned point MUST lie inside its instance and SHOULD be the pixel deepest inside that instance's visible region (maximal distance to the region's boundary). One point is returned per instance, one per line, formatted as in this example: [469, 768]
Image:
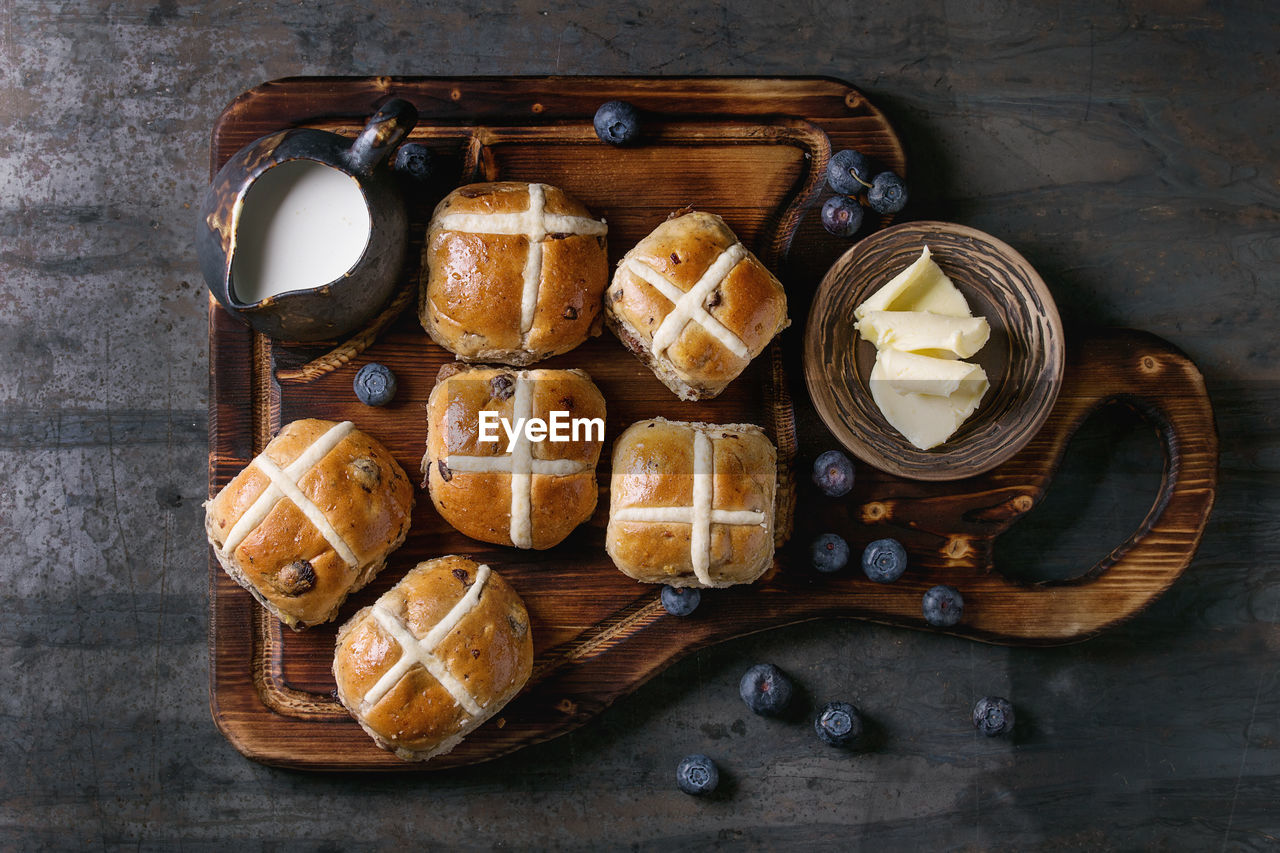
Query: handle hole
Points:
[1107, 484]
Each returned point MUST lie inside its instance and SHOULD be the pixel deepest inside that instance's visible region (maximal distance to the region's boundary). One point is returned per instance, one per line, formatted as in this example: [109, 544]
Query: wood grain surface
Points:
[597, 634]
[700, 137]
[1125, 148]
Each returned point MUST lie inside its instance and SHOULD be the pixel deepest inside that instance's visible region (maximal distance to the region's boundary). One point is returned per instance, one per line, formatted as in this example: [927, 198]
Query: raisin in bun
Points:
[311, 519]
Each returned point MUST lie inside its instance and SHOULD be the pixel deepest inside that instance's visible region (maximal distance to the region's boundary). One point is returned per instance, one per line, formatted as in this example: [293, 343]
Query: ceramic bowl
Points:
[1023, 359]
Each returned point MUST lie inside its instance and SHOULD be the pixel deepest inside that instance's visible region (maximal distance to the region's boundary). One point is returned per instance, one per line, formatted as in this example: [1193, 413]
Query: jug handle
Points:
[390, 124]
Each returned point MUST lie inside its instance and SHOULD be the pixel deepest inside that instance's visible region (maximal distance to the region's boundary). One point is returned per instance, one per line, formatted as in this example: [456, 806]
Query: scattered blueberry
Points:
[833, 472]
[884, 560]
[839, 724]
[841, 216]
[766, 689]
[888, 193]
[617, 122]
[993, 715]
[849, 172]
[414, 160]
[697, 775]
[680, 601]
[943, 606]
[830, 553]
[375, 384]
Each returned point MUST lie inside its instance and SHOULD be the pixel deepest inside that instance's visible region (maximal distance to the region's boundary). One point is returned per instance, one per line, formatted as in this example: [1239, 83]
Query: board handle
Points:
[1163, 385]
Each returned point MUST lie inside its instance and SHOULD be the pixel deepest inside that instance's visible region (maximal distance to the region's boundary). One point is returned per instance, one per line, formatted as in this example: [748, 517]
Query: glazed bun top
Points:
[512, 272]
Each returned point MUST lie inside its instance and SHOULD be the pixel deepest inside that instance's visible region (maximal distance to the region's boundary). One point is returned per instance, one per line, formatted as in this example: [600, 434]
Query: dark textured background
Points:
[1128, 149]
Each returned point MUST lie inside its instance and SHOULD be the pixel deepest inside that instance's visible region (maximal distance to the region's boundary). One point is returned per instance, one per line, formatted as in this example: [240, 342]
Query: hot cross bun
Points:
[692, 504]
[311, 519]
[434, 657]
[694, 305]
[530, 494]
[512, 273]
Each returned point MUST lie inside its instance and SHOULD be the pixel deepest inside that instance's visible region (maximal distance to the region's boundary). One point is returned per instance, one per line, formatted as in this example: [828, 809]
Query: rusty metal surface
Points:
[1127, 152]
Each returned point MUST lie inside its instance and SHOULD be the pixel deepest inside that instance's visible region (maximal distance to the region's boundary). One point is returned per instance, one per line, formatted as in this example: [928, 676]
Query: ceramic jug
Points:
[302, 233]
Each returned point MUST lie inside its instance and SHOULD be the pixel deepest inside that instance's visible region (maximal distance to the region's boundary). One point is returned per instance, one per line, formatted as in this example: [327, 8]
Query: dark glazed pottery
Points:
[335, 308]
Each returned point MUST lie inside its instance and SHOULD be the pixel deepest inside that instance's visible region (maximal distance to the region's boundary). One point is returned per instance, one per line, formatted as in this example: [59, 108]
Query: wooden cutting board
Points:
[754, 151]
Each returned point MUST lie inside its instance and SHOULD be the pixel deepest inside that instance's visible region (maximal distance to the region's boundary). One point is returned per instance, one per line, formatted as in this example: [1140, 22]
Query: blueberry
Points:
[375, 384]
[680, 601]
[943, 606]
[884, 560]
[841, 217]
[617, 122]
[414, 160]
[993, 715]
[697, 775]
[848, 172]
[833, 472]
[829, 552]
[766, 689]
[888, 193]
[839, 724]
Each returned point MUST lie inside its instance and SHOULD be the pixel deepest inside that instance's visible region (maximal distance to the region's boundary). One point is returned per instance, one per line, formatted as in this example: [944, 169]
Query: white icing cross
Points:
[701, 515]
[519, 462]
[533, 223]
[284, 484]
[689, 306]
[422, 651]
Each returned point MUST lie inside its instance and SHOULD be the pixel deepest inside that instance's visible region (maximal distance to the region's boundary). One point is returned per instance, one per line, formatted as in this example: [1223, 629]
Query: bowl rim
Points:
[823, 399]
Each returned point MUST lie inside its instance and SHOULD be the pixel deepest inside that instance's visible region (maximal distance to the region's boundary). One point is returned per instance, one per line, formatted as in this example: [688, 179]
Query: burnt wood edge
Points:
[292, 101]
[230, 343]
[289, 100]
[1180, 410]
[1189, 439]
